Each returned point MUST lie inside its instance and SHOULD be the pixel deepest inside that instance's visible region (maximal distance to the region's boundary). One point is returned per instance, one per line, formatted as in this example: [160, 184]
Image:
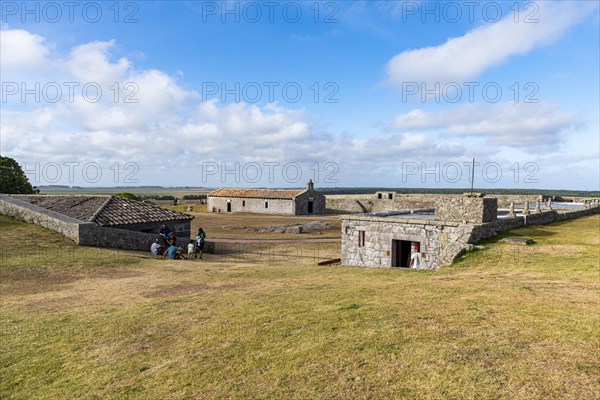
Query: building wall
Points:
[384, 195]
[442, 244]
[252, 205]
[302, 202]
[91, 234]
[181, 228]
[442, 241]
[473, 210]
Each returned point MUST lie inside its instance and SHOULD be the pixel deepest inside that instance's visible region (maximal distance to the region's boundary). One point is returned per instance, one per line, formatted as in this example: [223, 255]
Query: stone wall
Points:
[33, 214]
[441, 241]
[473, 210]
[292, 206]
[346, 203]
[490, 229]
[441, 244]
[180, 202]
[487, 230]
[181, 228]
[91, 234]
[369, 203]
[81, 232]
[567, 215]
[544, 217]
[301, 203]
[276, 206]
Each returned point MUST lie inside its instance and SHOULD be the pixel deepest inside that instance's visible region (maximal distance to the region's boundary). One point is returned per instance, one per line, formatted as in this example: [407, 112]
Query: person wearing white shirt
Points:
[415, 258]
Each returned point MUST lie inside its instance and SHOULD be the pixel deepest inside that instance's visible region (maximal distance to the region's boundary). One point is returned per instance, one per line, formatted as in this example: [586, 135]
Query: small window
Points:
[361, 238]
[243, 203]
[390, 196]
[266, 204]
[379, 196]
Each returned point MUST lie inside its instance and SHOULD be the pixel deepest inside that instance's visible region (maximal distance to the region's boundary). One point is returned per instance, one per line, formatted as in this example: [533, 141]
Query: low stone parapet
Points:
[33, 214]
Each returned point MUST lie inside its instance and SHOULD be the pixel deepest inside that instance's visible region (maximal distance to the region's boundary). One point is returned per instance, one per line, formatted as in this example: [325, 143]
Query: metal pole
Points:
[472, 177]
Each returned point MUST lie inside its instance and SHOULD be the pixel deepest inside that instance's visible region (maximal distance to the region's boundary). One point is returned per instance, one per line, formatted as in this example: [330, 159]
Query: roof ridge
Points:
[161, 208]
[101, 208]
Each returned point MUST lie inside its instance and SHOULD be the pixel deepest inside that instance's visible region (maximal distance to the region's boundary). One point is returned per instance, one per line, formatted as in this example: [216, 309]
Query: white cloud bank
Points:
[170, 129]
[167, 125]
[521, 125]
[463, 58]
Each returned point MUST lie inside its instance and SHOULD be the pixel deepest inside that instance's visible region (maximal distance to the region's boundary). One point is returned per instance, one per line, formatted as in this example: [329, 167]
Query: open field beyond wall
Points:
[504, 323]
[249, 225]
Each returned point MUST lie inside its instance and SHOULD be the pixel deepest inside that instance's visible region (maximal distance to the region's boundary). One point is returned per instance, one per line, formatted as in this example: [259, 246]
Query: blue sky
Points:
[361, 118]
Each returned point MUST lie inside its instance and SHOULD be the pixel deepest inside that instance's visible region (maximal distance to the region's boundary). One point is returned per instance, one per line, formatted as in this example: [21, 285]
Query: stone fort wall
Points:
[471, 210]
[349, 203]
[441, 241]
[81, 232]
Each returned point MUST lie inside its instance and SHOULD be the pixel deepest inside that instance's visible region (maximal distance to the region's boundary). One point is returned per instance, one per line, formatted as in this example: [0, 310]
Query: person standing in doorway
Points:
[415, 258]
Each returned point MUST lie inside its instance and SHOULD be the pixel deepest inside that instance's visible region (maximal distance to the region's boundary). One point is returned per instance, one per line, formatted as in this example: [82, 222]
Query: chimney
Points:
[310, 185]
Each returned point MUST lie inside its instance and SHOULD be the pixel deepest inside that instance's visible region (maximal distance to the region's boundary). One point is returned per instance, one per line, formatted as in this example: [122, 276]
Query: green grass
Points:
[499, 324]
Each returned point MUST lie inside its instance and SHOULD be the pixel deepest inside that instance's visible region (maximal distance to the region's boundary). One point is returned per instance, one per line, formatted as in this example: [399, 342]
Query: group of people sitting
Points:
[169, 248]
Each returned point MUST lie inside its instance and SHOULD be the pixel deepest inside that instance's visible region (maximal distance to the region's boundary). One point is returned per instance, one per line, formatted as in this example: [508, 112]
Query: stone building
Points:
[268, 201]
[384, 240]
[385, 195]
[114, 212]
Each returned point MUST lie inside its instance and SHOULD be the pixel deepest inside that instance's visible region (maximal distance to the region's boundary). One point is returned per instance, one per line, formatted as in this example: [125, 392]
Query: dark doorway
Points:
[400, 253]
[228, 207]
[310, 207]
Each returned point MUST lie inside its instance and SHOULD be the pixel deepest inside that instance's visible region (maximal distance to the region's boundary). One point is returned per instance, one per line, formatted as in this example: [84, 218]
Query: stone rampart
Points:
[33, 214]
[81, 232]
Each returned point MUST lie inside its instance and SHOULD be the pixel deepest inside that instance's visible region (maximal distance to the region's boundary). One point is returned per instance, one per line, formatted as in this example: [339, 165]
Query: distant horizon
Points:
[324, 188]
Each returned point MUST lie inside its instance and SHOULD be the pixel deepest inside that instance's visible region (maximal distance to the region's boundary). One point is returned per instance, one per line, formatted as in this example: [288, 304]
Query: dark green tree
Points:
[12, 178]
[130, 196]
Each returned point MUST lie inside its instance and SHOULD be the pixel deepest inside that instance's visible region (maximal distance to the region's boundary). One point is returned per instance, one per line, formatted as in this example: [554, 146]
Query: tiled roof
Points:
[105, 210]
[119, 211]
[79, 207]
[257, 193]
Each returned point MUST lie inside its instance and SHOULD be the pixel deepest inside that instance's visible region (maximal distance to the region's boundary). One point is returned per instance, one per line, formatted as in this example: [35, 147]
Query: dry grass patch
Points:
[187, 289]
[492, 326]
[235, 225]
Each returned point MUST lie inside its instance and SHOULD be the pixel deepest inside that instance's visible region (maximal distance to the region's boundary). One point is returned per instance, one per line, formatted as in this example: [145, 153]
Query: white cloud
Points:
[517, 125]
[170, 129]
[21, 49]
[466, 57]
[90, 63]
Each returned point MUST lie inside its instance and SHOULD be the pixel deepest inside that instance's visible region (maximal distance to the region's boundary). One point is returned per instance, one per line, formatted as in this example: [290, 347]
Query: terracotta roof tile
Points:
[257, 193]
[78, 207]
[105, 210]
[119, 211]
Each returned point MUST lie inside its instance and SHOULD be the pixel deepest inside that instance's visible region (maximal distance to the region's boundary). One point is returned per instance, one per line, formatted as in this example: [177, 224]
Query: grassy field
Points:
[504, 323]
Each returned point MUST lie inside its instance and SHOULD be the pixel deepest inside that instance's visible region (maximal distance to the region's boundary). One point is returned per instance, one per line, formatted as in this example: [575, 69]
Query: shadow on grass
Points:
[533, 232]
